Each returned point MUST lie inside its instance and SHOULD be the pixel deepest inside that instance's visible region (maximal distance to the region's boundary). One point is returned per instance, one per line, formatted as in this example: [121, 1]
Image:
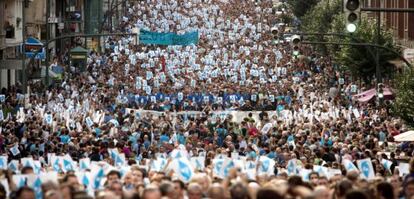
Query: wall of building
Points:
[402, 24]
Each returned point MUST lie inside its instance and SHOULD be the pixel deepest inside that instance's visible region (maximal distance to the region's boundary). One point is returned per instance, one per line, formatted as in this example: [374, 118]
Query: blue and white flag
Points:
[386, 164]
[180, 96]
[89, 122]
[14, 166]
[404, 168]
[217, 167]
[227, 165]
[267, 165]
[349, 166]
[177, 153]
[333, 172]
[366, 168]
[235, 155]
[27, 162]
[322, 171]
[305, 174]
[198, 163]
[20, 180]
[250, 165]
[292, 167]
[84, 163]
[114, 122]
[15, 150]
[97, 176]
[183, 169]
[3, 162]
[49, 119]
[158, 164]
[2, 98]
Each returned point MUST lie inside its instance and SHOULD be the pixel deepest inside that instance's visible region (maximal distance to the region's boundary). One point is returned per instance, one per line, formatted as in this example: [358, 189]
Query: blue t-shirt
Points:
[64, 139]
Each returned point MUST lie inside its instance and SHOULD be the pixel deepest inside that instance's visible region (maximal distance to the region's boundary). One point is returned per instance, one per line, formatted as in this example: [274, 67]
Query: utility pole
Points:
[24, 73]
[377, 67]
[47, 41]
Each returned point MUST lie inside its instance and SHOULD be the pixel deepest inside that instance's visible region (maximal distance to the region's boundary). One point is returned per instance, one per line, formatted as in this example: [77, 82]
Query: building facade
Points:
[64, 17]
[402, 24]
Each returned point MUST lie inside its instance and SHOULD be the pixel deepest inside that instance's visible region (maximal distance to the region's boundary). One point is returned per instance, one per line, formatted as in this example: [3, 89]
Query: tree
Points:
[403, 104]
[319, 20]
[361, 60]
[301, 7]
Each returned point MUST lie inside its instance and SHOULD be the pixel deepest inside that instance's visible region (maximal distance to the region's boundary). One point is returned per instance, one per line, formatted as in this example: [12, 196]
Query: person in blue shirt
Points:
[64, 137]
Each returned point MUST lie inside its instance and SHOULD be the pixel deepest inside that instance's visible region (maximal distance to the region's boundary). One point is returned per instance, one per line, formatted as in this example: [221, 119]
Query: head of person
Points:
[268, 193]
[71, 179]
[321, 192]
[25, 193]
[179, 188]
[167, 190]
[313, 178]
[356, 194]
[151, 192]
[385, 190]
[113, 176]
[116, 187]
[342, 188]
[27, 170]
[409, 188]
[216, 191]
[194, 191]
[239, 191]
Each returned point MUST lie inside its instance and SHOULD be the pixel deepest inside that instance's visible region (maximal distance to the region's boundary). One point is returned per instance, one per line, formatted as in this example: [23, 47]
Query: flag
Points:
[3, 162]
[292, 167]
[266, 165]
[184, 169]
[386, 164]
[15, 150]
[365, 166]
[217, 167]
[322, 171]
[404, 168]
[13, 165]
[20, 180]
[349, 166]
[198, 163]
[84, 163]
[305, 174]
[227, 165]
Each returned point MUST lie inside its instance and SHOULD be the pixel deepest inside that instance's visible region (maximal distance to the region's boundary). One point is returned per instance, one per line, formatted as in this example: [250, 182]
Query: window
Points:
[9, 29]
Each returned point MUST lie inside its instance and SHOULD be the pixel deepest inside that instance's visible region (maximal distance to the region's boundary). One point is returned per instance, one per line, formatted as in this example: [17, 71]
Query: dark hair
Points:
[114, 172]
[385, 190]
[26, 169]
[356, 194]
[67, 176]
[267, 193]
[20, 191]
[343, 187]
[239, 191]
[181, 183]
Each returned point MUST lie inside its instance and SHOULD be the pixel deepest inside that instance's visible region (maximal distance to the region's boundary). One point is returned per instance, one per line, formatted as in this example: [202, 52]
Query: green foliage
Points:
[361, 60]
[301, 7]
[404, 101]
[319, 20]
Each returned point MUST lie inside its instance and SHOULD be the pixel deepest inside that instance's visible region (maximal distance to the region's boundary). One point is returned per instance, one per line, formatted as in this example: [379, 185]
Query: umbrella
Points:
[405, 137]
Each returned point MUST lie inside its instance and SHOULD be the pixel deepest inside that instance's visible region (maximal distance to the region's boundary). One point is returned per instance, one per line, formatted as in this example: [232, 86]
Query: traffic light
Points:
[352, 10]
[275, 33]
[295, 44]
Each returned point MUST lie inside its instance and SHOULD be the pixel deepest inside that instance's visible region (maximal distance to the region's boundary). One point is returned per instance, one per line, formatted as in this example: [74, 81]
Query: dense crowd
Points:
[233, 116]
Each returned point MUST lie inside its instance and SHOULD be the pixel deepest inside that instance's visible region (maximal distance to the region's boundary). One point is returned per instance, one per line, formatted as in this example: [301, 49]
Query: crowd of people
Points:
[233, 116]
